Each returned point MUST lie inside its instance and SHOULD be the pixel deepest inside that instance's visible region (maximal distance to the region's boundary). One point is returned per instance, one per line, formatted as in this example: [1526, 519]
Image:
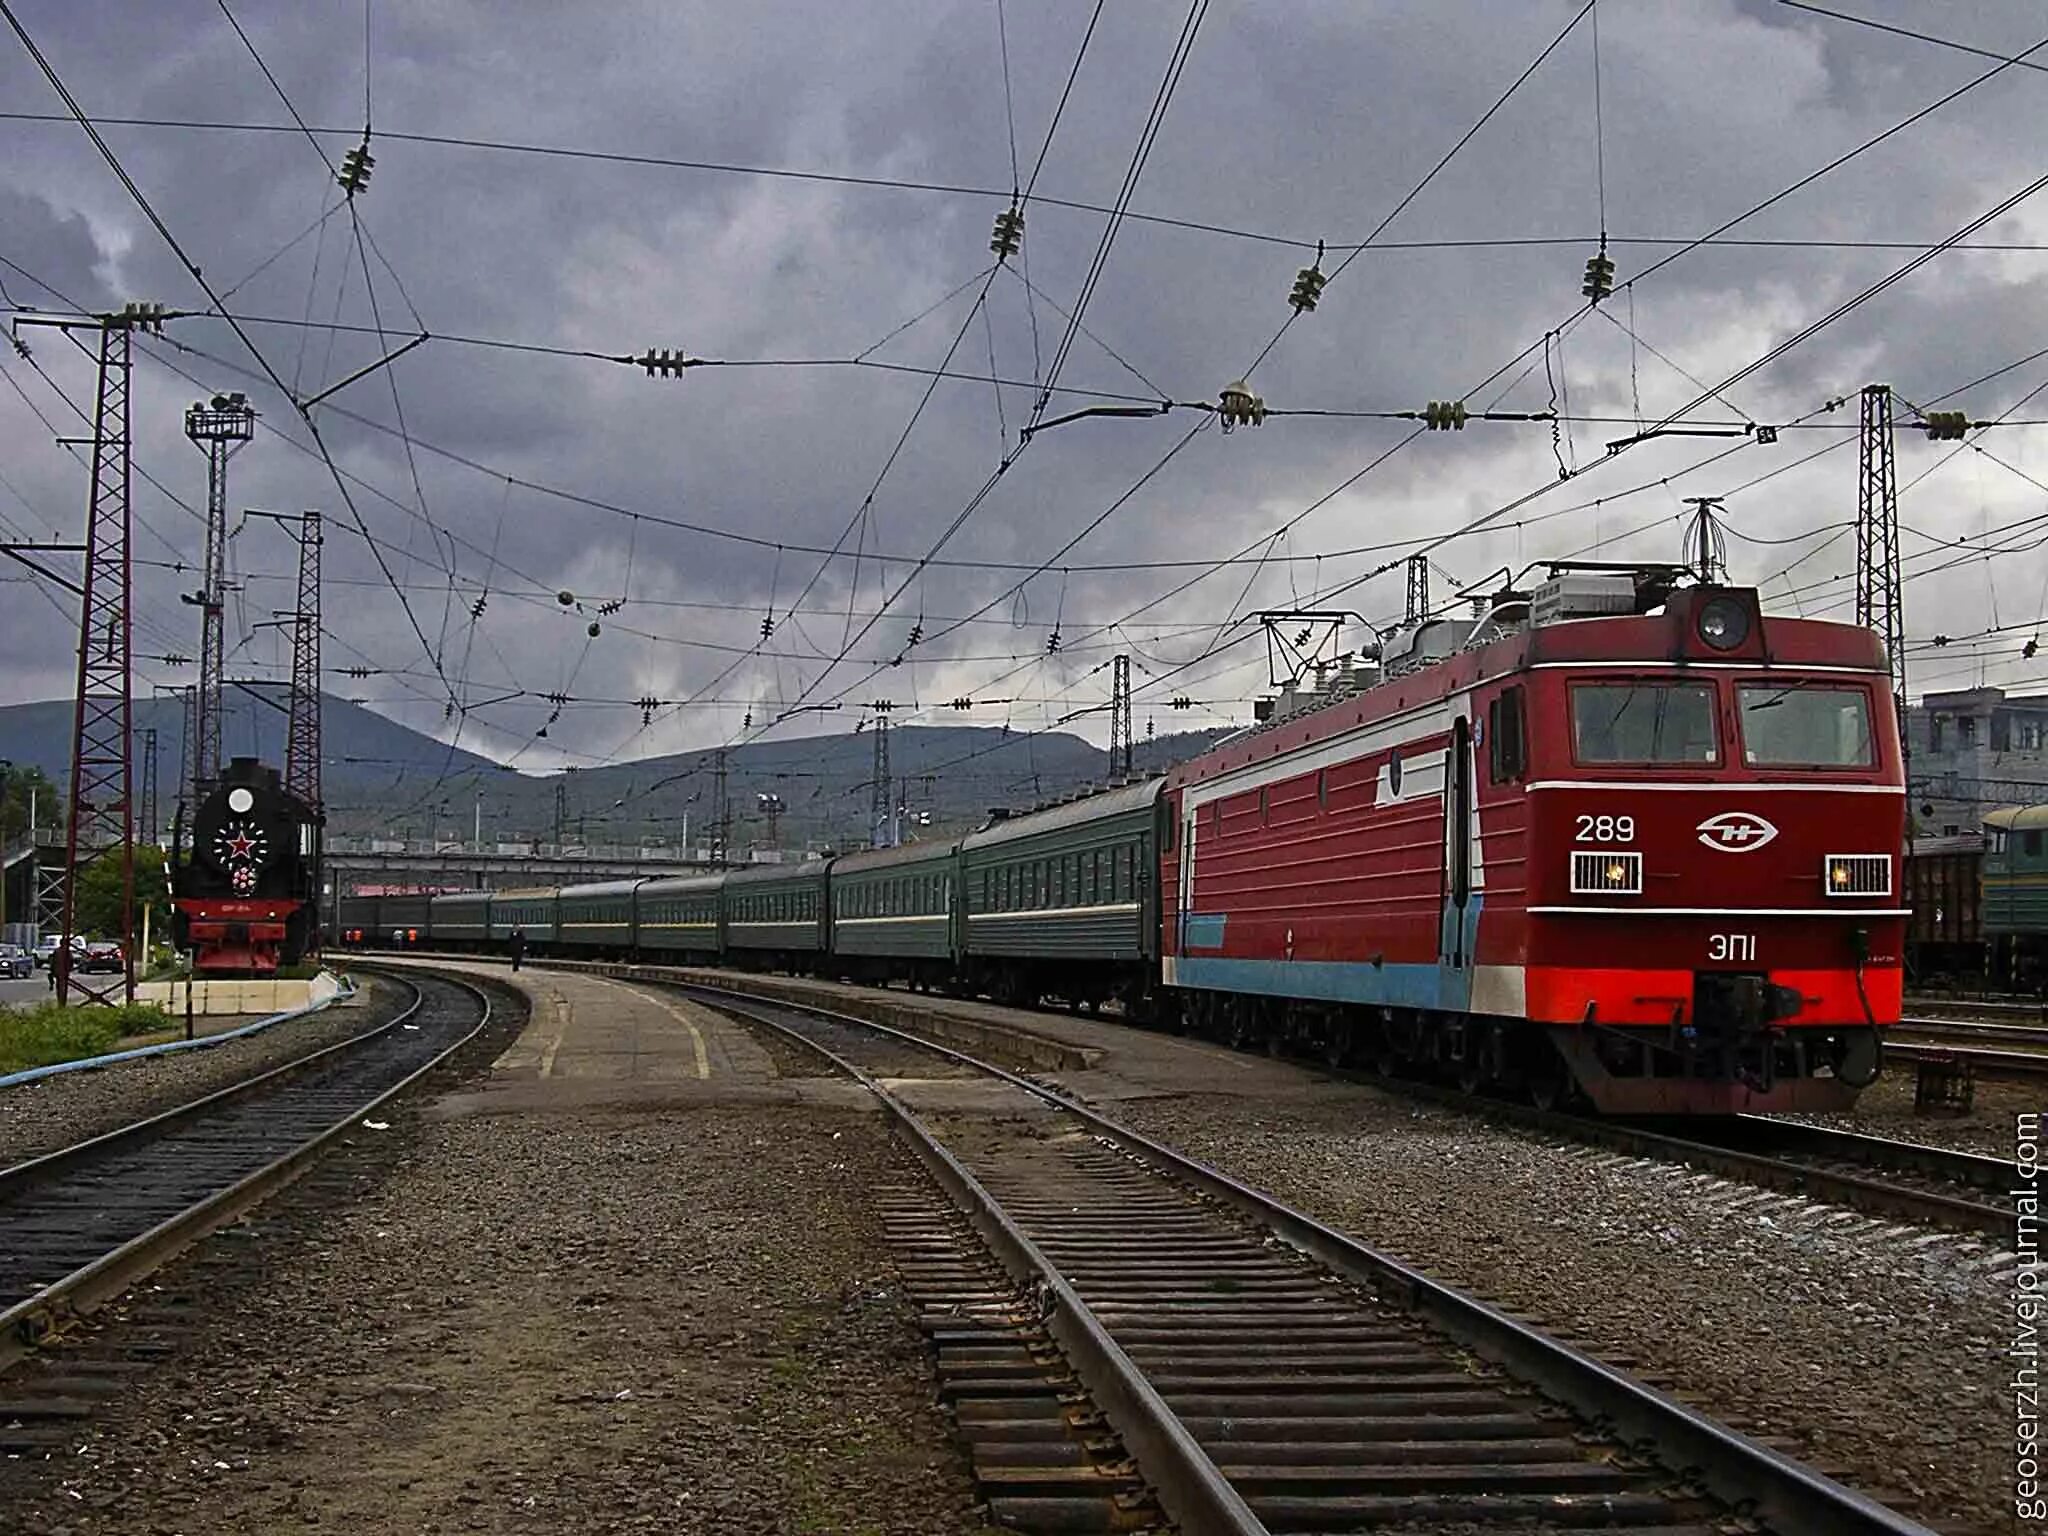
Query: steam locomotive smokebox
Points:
[244, 898]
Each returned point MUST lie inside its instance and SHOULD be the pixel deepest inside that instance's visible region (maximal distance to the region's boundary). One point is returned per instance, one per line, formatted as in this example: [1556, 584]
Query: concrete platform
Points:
[591, 1043]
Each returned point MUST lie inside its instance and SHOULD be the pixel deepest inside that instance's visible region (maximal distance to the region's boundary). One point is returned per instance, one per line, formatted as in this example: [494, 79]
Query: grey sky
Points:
[1305, 121]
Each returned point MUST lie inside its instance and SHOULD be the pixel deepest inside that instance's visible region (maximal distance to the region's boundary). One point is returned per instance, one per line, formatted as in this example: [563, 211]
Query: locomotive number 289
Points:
[1607, 829]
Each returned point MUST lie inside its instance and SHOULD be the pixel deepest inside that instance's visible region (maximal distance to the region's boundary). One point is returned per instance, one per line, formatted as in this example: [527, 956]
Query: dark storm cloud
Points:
[1310, 121]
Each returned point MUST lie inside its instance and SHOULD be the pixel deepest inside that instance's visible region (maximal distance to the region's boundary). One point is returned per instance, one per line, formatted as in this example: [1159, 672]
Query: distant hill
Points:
[363, 749]
[946, 777]
[384, 777]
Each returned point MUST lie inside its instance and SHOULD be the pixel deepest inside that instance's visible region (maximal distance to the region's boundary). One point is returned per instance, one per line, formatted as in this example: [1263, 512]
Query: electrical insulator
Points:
[1599, 281]
[1444, 416]
[1009, 233]
[476, 609]
[648, 706]
[356, 166]
[767, 627]
[747, 721]
[1240, 407]
[1308, 287]
[917, 632]
[963, 704]
[608, 608]
[667, 362]
[143, 317]
[1149, 728]
[1946, 426]
[2029, 648]
[448, 710]
[1182, 701]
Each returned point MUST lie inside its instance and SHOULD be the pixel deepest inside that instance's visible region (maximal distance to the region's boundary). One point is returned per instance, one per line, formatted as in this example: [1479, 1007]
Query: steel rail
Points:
[1976, 1029]
[1189, 1486]
[26, 1321]
[1985, 1062]
[1744, 1474]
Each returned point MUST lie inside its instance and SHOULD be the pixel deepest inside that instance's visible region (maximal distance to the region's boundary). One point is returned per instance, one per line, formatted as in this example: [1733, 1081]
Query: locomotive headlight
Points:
[1724, 623]
[240, 801]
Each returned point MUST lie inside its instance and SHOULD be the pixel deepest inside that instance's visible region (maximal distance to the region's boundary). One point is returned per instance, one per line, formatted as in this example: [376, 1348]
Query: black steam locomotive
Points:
[246, 900]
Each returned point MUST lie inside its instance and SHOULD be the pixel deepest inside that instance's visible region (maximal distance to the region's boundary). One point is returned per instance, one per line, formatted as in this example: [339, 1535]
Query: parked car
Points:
[15, 962]
[45, 951]
[101, 955]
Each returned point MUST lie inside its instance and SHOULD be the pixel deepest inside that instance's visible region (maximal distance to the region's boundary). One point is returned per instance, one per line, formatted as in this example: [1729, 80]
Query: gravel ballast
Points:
[54, 1112]
[1876, 1354]
[593, 1322]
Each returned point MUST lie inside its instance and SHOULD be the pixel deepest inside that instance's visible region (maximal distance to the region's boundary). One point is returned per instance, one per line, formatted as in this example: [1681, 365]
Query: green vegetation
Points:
[99, 890]
[17, 783]
[46, 1034]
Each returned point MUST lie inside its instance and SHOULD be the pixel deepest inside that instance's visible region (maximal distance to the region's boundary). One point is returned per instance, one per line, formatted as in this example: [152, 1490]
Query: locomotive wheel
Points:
[1336, 1042]
[1238, 1028]
[1547, 1083]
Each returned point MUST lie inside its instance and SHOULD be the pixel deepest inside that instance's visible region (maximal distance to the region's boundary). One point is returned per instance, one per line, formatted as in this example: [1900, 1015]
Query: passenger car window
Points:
[1644, 723]
[1803, 726]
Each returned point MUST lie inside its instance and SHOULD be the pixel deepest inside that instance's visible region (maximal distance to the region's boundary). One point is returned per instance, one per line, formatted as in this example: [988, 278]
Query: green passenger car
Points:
[530, 909]
[1064, 902]
[776, 909]
[598, 916]
[679, 915]
[892, 910]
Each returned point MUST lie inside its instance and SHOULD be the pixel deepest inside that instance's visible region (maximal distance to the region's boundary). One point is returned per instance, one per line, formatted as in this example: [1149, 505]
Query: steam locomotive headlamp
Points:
[1724, 623]
[240, 801]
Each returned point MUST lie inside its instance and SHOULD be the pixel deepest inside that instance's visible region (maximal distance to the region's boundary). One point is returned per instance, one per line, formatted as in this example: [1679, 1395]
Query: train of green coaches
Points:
[1058, 905]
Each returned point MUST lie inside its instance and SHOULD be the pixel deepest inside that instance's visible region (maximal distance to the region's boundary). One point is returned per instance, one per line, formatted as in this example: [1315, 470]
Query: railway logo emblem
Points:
[1736, 832]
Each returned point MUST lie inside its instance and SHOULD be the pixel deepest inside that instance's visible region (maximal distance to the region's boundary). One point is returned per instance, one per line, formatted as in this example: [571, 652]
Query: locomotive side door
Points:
[1185, 901]
[1456, 943]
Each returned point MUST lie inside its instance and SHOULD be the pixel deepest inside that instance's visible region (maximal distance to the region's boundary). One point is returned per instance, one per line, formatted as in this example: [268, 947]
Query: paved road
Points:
[34, 990]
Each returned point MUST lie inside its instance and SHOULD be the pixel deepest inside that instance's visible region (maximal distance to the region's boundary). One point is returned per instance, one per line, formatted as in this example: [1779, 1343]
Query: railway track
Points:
[80, 1225]
[1114, 1321]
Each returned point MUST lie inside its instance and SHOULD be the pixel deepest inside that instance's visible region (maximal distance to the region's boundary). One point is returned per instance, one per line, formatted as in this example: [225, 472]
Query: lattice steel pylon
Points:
[881, 789]
[101, 820]
[151, 828]
[302, 732]
[1418, 590]
[217, 428]
[1879, 604]
[1122, 750]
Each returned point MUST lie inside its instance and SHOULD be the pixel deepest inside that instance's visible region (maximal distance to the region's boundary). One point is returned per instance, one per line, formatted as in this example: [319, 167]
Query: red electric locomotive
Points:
[1616, 839]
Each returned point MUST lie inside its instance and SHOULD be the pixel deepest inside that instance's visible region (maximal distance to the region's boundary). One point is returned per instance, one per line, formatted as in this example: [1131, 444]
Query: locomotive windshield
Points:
[1644, 723]
[1803, 726]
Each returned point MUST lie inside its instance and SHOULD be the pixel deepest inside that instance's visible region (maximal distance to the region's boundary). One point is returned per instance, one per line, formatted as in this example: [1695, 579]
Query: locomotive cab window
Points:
[1801, 726]
[1644, 723]
[1506, 747]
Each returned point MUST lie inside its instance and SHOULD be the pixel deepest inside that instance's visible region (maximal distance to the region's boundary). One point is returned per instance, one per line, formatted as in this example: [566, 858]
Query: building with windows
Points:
[1974, 749]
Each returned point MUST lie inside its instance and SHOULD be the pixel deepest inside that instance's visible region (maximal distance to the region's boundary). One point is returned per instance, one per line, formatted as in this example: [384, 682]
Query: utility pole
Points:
[1417, 608]
[1122, 749]
[217, 429]
[302, 732]
[188, 745]
[722, 809]
[881, 800]
[561, 812]
[1878, 602]
[152, 829]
